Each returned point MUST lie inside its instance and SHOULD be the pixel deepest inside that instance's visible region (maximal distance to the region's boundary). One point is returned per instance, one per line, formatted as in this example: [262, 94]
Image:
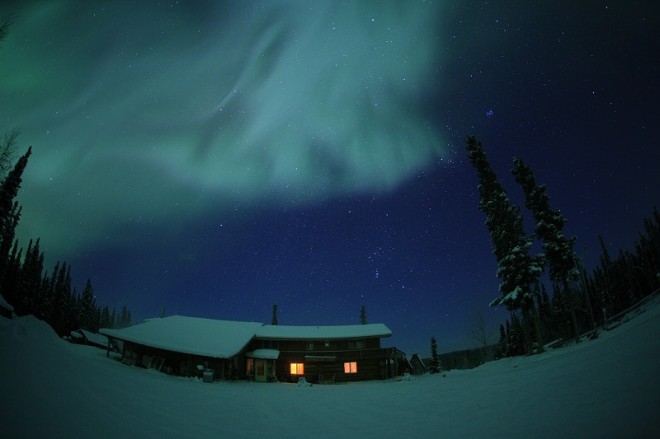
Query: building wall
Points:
[177, 363]
[325, 360]
[338, 360]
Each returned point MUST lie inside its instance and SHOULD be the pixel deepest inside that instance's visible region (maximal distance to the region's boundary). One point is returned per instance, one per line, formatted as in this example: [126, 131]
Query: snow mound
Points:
[28, 327]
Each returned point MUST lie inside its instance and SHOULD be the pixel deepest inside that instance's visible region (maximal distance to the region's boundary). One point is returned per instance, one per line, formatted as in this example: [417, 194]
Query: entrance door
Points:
[261, 370]
[249, 369]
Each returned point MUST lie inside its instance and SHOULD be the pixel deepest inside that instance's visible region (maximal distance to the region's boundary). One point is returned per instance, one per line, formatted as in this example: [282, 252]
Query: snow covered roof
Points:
[190, 335]
[225, 338]
[264, 354]
[93, 338]
[323, 332]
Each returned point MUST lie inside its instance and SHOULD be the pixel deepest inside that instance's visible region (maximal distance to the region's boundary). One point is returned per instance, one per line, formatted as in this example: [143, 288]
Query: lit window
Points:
[297, 368]
[350, 367]
[310, 345]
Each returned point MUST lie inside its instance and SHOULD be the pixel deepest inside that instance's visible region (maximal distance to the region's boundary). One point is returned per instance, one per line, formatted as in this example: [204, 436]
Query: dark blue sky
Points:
[216, 158]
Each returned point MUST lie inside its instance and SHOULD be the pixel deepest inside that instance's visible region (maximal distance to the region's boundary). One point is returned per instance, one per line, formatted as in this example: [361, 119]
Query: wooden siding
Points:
[177, 363]
[324, 360]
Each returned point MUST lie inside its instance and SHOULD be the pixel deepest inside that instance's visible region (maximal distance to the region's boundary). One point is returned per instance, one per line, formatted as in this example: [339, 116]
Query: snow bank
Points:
[28, 328]
[604, 388]
[4, 304]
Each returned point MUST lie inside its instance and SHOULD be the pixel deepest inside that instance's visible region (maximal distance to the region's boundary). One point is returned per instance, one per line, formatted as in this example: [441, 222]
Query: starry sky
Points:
[216, 158]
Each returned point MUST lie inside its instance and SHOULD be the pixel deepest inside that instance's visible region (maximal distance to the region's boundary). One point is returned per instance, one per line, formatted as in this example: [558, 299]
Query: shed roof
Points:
[93, 338]
[323, 332]
[190, 335]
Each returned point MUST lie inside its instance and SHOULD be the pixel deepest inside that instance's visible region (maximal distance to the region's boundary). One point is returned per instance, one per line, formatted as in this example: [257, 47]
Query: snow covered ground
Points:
[609, 387]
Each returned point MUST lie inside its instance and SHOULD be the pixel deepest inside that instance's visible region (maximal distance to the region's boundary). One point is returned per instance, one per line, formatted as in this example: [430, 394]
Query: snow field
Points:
[609, 387]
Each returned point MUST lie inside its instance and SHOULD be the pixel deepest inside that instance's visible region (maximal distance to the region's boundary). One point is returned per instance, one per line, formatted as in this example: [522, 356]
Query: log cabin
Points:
[224, 350]
[322, 354]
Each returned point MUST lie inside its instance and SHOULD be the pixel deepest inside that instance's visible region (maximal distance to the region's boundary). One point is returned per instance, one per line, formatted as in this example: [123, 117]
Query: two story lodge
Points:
[222, 349]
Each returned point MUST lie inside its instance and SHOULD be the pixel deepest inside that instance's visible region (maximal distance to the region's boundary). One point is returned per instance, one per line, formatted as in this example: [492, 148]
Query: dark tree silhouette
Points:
[8, 150]
[22, 282]
[5, 25]
[10, 211]
[435, 366]
[558, 249]
[89, 318]
[274, 321]
[516, 268]
[363, 315]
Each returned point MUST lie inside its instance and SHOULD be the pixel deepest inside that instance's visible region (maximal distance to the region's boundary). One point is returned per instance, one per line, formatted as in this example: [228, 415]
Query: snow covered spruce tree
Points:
[517, 269]
[558, 250]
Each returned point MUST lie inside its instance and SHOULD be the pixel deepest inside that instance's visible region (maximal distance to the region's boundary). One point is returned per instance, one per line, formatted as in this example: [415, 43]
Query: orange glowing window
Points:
[297, 368]
[350, 367]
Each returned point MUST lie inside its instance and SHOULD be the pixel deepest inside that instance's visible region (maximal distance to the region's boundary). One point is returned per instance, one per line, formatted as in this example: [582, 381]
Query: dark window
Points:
[356, 344]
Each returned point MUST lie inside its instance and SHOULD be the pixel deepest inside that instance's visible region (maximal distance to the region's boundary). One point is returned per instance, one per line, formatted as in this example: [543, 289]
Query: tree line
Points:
[23, 281]
[579, 301]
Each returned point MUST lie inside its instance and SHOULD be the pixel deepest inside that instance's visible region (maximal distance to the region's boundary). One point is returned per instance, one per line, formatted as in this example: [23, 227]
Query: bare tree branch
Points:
[8, 151]
[5, 25]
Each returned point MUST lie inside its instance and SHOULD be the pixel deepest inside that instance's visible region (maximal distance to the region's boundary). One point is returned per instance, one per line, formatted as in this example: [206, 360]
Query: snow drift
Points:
[608, 387]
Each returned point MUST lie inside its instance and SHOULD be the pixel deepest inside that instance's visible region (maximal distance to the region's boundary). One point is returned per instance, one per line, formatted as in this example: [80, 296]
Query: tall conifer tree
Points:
[435, 366]
[89, 318]
[10, 211]
[558, 250]
[274, 321]
[124, 318]
[30, 282]
[517, 269]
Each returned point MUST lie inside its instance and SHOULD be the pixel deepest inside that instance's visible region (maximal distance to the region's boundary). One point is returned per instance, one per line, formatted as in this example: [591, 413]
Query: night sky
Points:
[216, 158]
